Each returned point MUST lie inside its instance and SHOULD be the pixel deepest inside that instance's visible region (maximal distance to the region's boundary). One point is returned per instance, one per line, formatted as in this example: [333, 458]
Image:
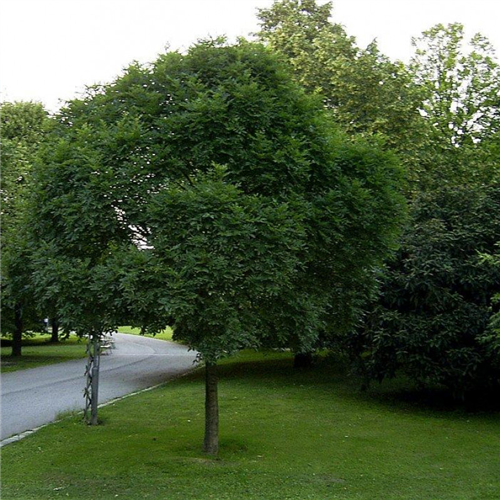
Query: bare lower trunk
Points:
[303, 360]
[211, 441]
[55, 330]
[17, 337]
[95, 389]
[92, 374]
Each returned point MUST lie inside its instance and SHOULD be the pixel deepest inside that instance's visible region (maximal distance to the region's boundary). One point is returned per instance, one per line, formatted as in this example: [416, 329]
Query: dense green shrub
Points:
[433, 319]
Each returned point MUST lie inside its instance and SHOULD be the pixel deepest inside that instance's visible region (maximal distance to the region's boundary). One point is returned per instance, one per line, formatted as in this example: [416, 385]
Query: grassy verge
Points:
[38, 351]
[163, 335]
[285, 434]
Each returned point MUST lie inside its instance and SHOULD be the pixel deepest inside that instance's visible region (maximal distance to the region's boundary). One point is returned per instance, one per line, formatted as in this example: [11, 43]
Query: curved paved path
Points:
[34, 397]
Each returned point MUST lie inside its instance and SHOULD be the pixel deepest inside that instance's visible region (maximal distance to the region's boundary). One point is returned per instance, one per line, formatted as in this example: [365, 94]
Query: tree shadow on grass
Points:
[399, 393]
[329, 373]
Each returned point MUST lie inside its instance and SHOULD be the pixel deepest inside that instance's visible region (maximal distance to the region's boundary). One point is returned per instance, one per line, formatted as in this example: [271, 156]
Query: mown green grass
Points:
[38, 351]
[285, 434]
[163, 335]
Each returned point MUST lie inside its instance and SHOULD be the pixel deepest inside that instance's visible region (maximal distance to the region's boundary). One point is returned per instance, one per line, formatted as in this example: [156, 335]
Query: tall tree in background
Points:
[23, 126]
[441, 115]
[433, 320]
[459, 82]
[366, 92]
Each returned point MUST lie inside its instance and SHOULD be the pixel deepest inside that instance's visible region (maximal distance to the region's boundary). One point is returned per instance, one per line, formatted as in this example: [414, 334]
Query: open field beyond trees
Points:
[163, 335]
[285, 434]
[39, 351]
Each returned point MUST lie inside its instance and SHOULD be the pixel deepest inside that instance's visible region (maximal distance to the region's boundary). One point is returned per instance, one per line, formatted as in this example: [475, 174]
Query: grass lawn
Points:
[285, 434]
[163, 335]
[38, 351]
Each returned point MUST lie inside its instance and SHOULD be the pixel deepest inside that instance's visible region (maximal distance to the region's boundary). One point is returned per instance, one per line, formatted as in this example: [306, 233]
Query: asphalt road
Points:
[34, 397]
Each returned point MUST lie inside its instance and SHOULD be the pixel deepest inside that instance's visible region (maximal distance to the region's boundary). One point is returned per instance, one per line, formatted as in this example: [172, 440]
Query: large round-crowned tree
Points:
[246, 218]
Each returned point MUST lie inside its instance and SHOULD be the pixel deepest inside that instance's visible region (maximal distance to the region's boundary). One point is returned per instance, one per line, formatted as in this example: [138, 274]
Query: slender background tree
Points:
[23, 126]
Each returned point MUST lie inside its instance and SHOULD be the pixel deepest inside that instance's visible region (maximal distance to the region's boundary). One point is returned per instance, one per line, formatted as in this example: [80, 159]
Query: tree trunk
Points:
[303, 360]
[92, 383]
[211, 441]
[17, 337]
[95, 381]
[55, 330]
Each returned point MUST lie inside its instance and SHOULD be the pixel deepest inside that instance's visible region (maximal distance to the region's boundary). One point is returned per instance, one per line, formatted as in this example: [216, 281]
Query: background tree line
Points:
[440, 113]
[251, 196]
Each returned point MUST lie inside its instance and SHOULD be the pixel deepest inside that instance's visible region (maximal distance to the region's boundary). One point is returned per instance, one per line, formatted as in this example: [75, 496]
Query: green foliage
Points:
[460, 89]
[440, 114]
[460, 83]
[23, 126]
[295, 206]
[365, 91]
[435, 317]
[433, 320]
[22, 122]
[225, 256]
[207, 192]
[433, 113]
[73, 228]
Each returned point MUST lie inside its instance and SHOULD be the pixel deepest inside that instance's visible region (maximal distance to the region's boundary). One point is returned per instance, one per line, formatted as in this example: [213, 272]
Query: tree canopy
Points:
[23, 126]
[434, 320]
[214, 177]
[440, 115]
[366, 92]
[436, 307]
[460, 82]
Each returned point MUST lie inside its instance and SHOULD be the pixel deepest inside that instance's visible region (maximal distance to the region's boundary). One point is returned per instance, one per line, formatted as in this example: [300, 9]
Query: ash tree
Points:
[459, 85]
[209, 193]
[226, 255]
[365, 91]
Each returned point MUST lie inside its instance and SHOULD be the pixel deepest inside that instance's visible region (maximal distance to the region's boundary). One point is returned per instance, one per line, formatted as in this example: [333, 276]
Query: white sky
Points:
[51, 49]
